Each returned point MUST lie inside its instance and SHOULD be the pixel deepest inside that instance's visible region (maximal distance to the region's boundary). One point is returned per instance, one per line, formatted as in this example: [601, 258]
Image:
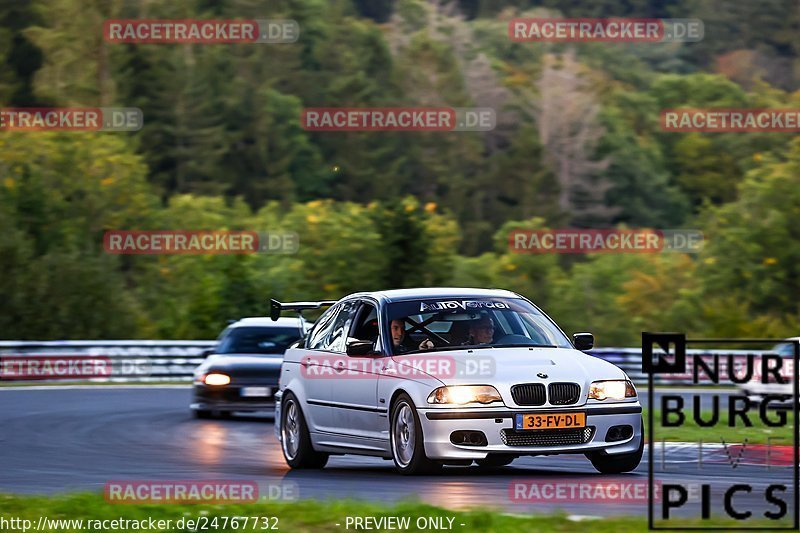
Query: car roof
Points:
[265, 321]
[400, 295]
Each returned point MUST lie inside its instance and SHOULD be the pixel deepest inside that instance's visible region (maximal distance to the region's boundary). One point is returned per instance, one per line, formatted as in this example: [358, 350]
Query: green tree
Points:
[641, 190]
[754, 242]
[54, 209]
[77, 66]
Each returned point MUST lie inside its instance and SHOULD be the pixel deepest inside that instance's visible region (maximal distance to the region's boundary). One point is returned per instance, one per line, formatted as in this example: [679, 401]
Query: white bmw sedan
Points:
[435, 376]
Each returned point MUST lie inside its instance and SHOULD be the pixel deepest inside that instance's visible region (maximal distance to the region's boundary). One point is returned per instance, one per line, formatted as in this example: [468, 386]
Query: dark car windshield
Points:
[257, 340]
[451, 323]
[785, 348]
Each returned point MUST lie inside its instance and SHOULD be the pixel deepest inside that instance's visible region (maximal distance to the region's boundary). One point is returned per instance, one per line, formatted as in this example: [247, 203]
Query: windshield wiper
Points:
[476, 347]
[447, 348]
[523, 345]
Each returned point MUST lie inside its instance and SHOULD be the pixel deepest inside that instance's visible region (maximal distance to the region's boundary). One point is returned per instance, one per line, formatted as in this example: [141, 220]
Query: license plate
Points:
[550, 421]
[250, 392]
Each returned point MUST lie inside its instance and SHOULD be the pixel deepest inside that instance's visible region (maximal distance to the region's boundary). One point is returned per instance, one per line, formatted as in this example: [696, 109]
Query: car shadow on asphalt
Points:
[455, 472]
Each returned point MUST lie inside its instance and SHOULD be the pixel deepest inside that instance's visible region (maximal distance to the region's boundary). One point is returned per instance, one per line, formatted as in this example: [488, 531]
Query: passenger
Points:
[481, 331]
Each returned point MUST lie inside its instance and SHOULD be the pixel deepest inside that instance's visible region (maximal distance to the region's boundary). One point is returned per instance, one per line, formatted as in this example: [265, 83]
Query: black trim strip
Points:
[614, 411]
[476, 415]
[468, 416]
[334, 434]
[343, 406]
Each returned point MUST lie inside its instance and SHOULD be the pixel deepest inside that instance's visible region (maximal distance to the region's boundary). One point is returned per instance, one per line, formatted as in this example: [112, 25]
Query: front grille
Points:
[528, 394]
[232, 395]
[547, 437]
[564, 393]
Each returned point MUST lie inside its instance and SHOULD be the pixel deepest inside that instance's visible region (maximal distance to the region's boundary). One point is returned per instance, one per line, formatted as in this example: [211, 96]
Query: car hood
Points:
[243, 365]
[505, 367]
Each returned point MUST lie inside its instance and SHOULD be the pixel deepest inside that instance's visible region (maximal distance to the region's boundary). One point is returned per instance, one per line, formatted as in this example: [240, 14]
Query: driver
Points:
[398, 332]
[481, 331]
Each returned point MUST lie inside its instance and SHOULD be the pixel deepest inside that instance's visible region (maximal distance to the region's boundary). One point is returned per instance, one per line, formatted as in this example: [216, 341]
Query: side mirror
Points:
[205, 353]
[357, 347]
[583, 341]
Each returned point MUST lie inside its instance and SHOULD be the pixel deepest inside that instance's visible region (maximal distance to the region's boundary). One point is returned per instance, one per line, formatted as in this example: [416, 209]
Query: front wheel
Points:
[406, 440]
[295, 440]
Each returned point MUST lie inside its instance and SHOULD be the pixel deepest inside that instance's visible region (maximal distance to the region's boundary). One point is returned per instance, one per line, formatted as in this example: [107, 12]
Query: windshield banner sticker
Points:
[461, 304]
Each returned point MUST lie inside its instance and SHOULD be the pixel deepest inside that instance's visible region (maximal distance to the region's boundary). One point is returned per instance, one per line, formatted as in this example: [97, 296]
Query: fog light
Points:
[617, 433]
[468, 438]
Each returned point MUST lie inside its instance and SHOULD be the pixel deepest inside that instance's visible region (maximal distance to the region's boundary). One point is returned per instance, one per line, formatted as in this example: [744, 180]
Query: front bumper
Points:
[229, 398]
[780, 396]
[497, 424]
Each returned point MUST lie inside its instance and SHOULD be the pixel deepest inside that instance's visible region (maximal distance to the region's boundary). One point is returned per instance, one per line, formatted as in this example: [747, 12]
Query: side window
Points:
[341, 326]
[223, 339]
[366, 328]
[322, 329]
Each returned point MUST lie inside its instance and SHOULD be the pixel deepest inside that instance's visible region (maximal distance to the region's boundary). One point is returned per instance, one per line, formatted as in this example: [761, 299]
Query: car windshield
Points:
[258, 340]
[785, 348]
[447, 324]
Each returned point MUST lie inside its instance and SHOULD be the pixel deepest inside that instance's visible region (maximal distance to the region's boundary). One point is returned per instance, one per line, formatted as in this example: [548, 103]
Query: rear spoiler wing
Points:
[276, 307]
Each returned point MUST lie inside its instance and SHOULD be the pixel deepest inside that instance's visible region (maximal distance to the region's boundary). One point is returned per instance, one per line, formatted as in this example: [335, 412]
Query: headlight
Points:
[217, 379]
[612, 390]
[464, 394]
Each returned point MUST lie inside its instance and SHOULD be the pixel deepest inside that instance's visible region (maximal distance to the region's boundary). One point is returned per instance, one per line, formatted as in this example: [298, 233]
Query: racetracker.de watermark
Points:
[199, 242]
[71, 119]
[163, 31]
[731, 120]
[213, 491]
[586, 241]
[403, 367]
[398, 119]
[524, 491]
[32, 367]
[71, 366]
[624, 30]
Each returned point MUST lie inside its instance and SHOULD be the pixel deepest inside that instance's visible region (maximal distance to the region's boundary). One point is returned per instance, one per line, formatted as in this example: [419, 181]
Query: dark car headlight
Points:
[215, 379]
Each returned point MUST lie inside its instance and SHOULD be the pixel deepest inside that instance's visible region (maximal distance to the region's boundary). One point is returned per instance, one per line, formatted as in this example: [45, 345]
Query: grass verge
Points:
[304, 515]
[758, 433]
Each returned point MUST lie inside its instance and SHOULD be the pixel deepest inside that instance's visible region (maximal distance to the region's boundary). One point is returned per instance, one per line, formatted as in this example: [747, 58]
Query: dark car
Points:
[241, 373]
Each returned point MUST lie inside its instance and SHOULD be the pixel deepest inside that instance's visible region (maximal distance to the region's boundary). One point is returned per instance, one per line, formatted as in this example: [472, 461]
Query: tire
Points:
[618, 464]
[295, 440]
[406, 440]
[495, 461]
[202, 414]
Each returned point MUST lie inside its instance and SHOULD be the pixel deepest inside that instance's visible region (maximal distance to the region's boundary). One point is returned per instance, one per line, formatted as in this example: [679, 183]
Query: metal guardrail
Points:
[630, 360]
[154, 361]
[121, 361]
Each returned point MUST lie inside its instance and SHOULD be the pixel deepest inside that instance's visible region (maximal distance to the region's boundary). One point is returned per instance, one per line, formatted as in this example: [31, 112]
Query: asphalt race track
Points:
[61, 440]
